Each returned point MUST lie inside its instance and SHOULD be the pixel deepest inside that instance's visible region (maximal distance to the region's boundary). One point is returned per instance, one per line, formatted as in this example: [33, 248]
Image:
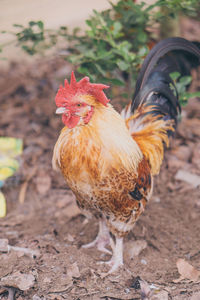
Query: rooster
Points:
[109, 160]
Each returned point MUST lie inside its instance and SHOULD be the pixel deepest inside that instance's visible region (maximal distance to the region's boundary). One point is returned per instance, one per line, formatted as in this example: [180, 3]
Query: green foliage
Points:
[185, 7]
[181, 86]
[113, 47]
[34, 34]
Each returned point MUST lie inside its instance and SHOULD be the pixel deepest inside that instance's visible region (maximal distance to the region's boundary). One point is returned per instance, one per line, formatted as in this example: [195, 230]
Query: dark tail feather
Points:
[153, 83]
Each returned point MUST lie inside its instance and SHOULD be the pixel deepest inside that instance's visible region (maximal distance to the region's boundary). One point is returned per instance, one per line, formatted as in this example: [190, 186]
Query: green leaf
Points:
[123, 65]
[40, 25]
[143, 51]
[125, 95]
[100, 69]
[185, 80]
[29, 50]
[18, 25]
[32, 23]
[113, 81]
[175, 75]
[142, 37]
[123, 50]
[192, 95]
[86, 72]
[116, 28]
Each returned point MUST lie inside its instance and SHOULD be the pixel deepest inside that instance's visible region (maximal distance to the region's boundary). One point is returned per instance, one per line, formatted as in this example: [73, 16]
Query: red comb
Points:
[83, 87]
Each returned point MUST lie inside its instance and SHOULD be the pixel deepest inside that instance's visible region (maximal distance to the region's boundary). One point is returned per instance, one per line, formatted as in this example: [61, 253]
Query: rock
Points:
[188, 177]
[73, 271]
[143, 261]
[162, 295]
[18, 280]
[35, 297]
[156, 199]
[3, 245]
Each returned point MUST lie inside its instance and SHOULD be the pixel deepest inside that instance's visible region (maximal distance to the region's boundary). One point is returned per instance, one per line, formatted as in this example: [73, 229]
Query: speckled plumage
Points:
[104, 176]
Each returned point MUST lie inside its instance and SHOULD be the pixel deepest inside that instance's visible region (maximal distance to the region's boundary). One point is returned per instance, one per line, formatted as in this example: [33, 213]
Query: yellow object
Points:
[8, 166]
[9, 149]
[2, 205]
[10, 146]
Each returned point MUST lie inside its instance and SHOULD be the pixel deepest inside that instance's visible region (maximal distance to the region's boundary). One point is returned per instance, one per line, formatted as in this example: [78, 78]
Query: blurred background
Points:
[53, 13]
[37, 210]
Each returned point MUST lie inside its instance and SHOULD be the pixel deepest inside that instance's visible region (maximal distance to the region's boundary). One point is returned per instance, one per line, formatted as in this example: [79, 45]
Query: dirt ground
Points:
[42, 215]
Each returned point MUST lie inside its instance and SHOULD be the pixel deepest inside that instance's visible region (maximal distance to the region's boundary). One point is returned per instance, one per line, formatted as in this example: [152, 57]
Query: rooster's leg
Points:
[102, 239]
[117, 257]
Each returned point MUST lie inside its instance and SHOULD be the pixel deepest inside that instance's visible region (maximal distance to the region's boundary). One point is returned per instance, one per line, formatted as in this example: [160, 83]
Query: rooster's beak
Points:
[60, 110]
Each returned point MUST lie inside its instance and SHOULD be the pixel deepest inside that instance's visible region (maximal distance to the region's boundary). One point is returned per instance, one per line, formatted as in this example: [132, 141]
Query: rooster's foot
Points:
[102, 239]
[117, 259]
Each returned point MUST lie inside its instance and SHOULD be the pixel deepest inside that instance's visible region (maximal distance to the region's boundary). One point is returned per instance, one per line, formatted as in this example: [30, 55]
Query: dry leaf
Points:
[18, 280]
[186, 271]
[70, 238]
[146, 292]
[73, 271]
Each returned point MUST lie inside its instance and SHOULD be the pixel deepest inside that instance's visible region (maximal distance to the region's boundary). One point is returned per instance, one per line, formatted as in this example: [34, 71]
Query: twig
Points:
[32, 253]
[24, 186]
[88, 293]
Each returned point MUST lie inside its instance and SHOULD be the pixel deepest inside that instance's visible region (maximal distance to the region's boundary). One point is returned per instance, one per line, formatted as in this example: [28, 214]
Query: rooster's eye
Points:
[79, 104]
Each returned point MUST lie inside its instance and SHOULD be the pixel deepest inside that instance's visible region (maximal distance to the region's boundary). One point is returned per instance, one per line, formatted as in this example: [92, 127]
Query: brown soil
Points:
[48, 220]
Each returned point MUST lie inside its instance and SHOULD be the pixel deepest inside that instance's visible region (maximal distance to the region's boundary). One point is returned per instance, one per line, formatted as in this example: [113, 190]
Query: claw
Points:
[117, 258]
[103, 249]
[102, 239]
[100, 243]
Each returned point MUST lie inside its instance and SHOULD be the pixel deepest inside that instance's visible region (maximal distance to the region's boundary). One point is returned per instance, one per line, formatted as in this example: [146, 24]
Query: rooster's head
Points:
[76, 101]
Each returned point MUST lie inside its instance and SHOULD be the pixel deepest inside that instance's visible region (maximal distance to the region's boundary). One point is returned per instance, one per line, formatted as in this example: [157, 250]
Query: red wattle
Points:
[70, 121]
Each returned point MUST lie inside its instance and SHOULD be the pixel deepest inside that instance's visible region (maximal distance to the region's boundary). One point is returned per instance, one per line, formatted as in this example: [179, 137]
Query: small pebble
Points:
[143, 261]
[35, 297]
[127, 291]
[157, 199]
